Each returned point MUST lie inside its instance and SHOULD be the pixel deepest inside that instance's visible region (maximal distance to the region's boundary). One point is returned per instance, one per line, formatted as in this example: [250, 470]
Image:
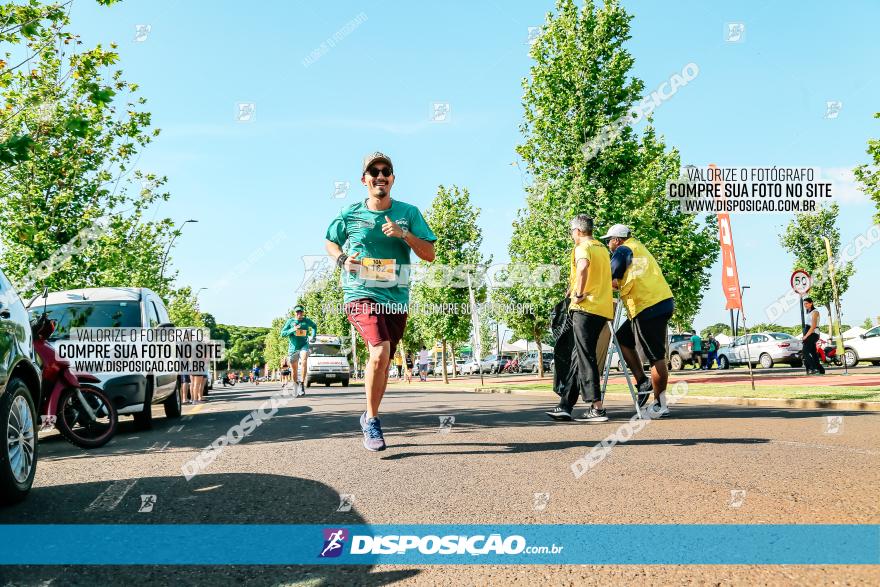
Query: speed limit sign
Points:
[801, 282]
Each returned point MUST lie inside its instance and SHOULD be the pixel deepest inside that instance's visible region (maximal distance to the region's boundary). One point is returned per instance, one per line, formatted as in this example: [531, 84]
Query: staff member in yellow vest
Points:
[649, 304]
[591, 309]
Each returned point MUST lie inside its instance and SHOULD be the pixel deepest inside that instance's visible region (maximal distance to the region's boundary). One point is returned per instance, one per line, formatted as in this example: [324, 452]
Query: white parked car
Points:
[764, 348]
[469, 367]
[121, 307]
[865, 347]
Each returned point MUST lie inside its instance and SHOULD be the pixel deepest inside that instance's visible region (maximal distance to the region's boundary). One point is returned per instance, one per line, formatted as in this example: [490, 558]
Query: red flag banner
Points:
[729, 274]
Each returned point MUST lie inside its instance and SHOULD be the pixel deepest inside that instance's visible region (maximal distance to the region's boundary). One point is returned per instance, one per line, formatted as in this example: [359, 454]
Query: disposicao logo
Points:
[334, 540]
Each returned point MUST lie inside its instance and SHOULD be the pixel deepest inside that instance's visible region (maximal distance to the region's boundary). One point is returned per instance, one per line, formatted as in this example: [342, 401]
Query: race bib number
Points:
[300, 332]
[378, 269]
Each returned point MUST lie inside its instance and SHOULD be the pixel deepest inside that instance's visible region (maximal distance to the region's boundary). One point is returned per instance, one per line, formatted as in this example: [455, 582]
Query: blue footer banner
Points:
[249, 544]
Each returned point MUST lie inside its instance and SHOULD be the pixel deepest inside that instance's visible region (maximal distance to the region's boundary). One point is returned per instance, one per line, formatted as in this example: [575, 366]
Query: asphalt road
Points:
[705, 464]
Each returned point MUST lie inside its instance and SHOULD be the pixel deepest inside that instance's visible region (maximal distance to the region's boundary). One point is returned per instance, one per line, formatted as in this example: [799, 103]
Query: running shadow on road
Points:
[206, 499]
[527, 447]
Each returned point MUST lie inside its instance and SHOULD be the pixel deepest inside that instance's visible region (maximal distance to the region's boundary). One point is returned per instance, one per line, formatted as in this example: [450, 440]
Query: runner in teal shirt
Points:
[296, 330]
[384, 277]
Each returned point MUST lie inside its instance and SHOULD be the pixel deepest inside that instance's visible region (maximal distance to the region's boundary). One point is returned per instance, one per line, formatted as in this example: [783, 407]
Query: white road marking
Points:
[111, 496]
[176, 428]
[156, 446]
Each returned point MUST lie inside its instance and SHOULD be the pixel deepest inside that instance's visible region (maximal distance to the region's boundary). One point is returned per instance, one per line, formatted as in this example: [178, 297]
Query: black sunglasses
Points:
[385, 171]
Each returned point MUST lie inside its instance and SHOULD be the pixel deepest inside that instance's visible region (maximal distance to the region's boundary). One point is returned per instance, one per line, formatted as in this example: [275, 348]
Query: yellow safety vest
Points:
[598, 287]
[643, 284]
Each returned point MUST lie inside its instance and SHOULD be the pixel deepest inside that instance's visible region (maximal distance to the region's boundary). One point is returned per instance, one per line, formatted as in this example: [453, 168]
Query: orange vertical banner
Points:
[729, 273]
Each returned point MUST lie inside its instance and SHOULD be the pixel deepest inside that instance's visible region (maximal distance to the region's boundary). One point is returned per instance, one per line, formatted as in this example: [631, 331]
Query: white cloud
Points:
[844, 187]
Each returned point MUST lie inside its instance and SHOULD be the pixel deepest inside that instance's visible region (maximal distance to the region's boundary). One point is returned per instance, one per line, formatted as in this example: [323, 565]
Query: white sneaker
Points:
[656, 411]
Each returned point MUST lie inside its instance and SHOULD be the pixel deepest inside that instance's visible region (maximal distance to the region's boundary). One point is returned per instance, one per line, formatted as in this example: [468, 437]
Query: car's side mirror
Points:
[863, 336]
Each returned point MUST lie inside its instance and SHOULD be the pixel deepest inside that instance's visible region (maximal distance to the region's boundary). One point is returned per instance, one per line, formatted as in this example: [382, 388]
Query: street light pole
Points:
[171, 244]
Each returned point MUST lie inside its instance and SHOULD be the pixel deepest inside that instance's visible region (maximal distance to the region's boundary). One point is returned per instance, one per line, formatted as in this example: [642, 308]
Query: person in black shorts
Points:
[649, 304]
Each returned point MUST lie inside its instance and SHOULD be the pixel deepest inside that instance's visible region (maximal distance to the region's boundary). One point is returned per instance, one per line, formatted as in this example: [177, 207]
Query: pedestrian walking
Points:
[377, 235]
[696, 351]
[297, 330]
[398, 363]
[810, 338]
[199, 381]
[424, 361]
[649, 304]
[184, 382]
[591, 308]
[711, 352]
[409, 367]
[256, 371]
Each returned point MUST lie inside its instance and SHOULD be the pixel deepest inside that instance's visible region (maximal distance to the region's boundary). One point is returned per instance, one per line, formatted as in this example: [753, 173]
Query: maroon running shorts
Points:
[374, 323]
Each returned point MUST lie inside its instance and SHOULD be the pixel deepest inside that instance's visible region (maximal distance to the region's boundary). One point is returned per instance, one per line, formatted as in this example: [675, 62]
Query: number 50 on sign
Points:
[801, 282]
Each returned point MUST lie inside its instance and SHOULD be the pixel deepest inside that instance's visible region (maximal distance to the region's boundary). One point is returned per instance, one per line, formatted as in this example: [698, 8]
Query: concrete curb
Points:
[807, 404]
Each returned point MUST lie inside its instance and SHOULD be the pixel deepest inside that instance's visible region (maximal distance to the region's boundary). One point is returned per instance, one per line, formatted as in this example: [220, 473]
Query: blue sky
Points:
[759, 102]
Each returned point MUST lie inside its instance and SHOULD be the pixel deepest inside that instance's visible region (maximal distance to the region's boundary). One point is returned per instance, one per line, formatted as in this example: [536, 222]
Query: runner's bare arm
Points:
[580, 279]
[423, 249]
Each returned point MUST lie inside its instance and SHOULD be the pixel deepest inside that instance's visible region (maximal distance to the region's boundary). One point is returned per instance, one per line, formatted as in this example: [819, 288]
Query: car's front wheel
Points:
[850, 357]
[143, 420]
[173, 405]
[676, 362]
[18, 442]
[723, 362]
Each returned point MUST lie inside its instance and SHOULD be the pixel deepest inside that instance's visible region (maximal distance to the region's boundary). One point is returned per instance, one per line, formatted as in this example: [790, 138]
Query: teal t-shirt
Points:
[697, 344]
[385, 275]
[297, 333]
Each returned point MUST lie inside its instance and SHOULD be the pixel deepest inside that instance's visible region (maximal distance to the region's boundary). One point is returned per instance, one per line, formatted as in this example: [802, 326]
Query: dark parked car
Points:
[19, 394]
[680, 350]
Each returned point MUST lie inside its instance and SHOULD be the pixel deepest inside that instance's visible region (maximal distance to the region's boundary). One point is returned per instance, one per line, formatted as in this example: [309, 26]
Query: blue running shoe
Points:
[374, 440]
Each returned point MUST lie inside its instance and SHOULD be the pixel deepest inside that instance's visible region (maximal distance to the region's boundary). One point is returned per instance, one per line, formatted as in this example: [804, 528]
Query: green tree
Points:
[580, 86]
[183, 309]
[803, 239]
[275, 345]
[867, 324]
[716, 329]
[868, 175]
[245, 345]
[85, 127]
[453, 219]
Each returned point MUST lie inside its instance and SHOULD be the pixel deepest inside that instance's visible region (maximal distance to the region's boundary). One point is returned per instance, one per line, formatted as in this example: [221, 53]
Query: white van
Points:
[328, 361]
[126, 307]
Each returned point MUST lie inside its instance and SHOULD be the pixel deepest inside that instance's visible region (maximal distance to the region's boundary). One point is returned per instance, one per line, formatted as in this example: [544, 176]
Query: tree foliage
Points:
[579, 85]
[72, 130]
[183, 309]
[868, 175]
[453, 219]
[803, 239]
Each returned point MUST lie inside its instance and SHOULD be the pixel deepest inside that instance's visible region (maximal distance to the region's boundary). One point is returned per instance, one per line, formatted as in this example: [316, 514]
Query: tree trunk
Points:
[537, 336]
[443, 363]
